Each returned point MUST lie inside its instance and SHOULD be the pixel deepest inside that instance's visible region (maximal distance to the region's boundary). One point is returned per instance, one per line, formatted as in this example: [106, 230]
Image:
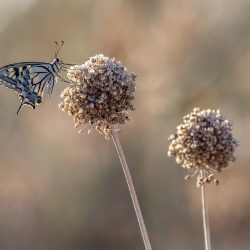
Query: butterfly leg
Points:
[63, 80]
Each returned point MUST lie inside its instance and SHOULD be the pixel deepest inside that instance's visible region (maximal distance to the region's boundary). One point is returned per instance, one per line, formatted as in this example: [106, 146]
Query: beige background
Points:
[60, 190]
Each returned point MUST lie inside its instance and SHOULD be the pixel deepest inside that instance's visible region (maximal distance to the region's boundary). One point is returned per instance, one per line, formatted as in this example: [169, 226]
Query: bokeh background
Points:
[60, 190]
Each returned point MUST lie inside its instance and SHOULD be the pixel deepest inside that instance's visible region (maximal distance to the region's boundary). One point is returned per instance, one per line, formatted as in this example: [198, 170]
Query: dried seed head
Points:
[203, 142]
[101, 93]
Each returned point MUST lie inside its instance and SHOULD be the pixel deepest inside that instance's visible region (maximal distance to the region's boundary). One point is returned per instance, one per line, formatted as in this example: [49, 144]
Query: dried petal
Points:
[203, 141]
[101, 94]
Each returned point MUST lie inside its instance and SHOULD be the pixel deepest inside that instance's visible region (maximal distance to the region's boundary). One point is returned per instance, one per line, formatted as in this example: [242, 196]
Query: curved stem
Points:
[205, 215]
[131, 190]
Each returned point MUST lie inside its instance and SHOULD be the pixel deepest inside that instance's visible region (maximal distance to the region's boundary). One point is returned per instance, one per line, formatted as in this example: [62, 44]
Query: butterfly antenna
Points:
[56, 50]
[58, 47]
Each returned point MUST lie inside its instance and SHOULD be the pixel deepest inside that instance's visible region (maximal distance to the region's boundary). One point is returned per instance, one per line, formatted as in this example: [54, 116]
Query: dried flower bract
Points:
[204, 144]
[100, 95]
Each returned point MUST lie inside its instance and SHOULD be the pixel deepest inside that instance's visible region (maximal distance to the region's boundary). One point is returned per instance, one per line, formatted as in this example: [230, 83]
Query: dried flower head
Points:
[203, 144]
[100, 95]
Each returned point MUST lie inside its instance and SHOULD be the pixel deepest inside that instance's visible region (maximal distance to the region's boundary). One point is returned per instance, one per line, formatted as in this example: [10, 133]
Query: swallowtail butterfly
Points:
[30, 79]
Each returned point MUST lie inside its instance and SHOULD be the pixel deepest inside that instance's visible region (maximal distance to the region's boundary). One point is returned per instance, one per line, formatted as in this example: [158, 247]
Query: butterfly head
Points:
[60, 65]
[58, 47]
[58, 62]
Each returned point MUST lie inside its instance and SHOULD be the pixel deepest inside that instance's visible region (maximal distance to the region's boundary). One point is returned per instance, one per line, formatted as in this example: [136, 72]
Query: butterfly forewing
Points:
[29, 80]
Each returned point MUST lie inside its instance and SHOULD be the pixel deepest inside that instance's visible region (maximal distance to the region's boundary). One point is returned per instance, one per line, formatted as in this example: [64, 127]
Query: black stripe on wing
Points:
[25, 64]
[10, 84]
[29, 80]
[33, 96]
[28, 74]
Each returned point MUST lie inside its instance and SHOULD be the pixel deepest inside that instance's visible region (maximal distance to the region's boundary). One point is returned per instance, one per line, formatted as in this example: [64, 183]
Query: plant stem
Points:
[205, 215]
[131, 190]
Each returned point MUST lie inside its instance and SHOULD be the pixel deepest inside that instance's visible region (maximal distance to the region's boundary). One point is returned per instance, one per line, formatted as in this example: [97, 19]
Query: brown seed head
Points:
[203, 142]
[100, 95]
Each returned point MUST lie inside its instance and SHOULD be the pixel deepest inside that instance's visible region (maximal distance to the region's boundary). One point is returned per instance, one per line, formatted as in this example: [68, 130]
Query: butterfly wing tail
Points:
[21, 105]
[31, 100]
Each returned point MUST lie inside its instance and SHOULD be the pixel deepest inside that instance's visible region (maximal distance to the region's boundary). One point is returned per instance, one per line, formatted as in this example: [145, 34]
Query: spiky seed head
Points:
[204, 143]
[101, 93]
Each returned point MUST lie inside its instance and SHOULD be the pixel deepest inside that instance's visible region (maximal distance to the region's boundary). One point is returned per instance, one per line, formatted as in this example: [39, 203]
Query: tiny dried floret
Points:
[203, 144]
[100, 95]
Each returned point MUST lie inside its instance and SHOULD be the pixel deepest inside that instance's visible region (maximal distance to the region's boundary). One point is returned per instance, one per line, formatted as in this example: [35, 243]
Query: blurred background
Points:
[60, 190]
